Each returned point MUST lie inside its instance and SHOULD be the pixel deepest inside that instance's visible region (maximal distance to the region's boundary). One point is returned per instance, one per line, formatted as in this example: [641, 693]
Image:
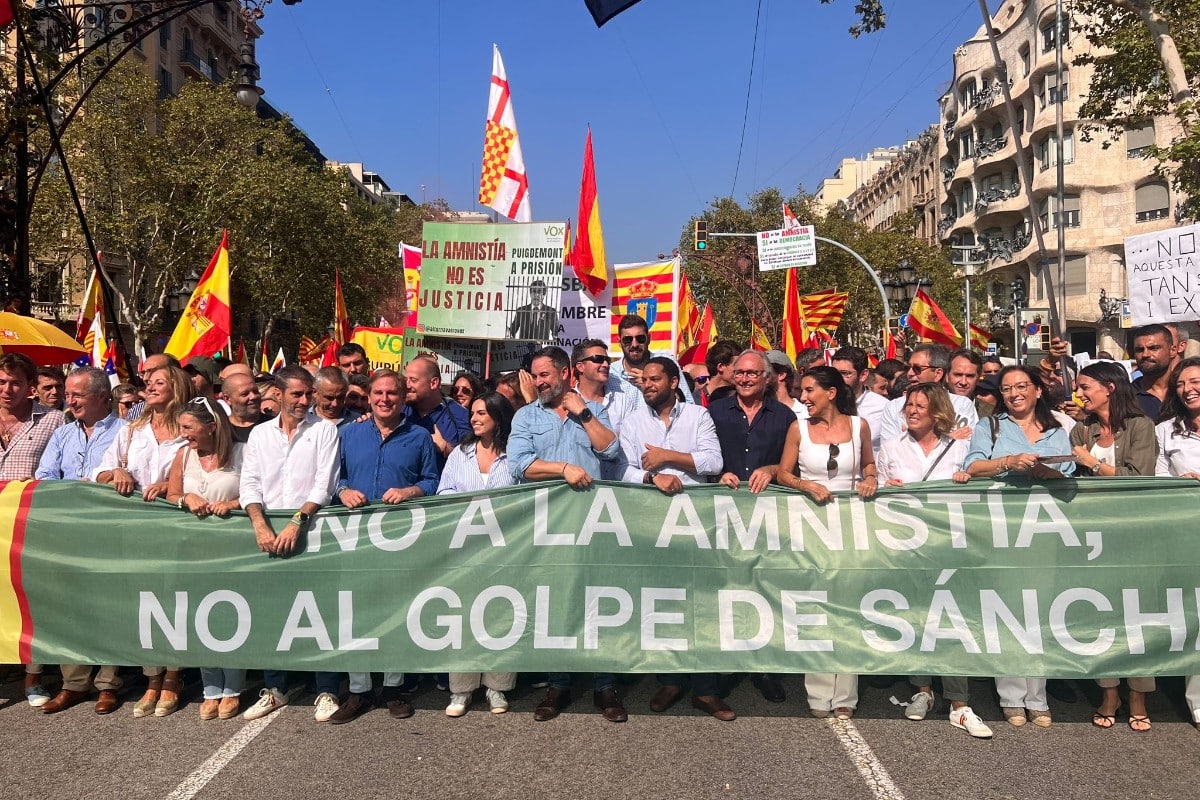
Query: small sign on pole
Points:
[787, 248]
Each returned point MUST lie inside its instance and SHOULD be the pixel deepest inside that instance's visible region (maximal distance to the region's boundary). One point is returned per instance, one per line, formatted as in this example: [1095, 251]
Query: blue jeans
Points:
[220, 682]
[704, 684]
[600, 680]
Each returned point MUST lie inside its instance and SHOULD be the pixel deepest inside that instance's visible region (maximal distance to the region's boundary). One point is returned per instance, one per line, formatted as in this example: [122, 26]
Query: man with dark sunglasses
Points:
[928, 363]
[633, 334]
[591, 367]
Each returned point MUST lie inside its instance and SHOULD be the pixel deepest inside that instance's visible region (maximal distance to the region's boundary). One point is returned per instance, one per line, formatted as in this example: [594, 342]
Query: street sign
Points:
[903, 321]
[787, 248]
[992, 349]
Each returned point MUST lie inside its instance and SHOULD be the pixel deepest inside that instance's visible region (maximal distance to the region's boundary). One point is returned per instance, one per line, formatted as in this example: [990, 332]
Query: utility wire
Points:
[746, 111]
[328, 91]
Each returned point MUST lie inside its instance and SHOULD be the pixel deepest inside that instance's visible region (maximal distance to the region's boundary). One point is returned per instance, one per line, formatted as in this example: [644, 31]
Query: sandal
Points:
[145, 706]
[1104, 721]
[168, 700]
[1139, 723]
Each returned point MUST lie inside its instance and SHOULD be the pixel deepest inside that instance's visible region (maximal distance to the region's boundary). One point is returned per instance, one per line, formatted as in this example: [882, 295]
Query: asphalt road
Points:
[770, 751]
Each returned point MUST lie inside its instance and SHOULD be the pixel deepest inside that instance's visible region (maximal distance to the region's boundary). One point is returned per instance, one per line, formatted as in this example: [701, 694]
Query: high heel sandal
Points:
[168, 701]
[145, 706]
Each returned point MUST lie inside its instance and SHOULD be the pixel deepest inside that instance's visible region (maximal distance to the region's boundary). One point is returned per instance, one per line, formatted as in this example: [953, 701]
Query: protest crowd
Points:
[214, 438]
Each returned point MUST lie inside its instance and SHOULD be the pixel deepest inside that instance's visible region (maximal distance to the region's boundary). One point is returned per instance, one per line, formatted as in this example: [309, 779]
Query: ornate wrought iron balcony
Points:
[989, 147]
[991, 196]
[946, 224]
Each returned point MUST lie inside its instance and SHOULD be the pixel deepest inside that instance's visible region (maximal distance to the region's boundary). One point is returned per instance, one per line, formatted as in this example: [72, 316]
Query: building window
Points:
[1053, 91]
[164, 35]
[1048, 150]
[222, 12]
[966, 146]
[1138, 141]
[1024, 60]
[47, 280]
[966, 94]
[1070, 212]
[165, 89]
[1076, 269]
[1048, 31]
[1152, 201]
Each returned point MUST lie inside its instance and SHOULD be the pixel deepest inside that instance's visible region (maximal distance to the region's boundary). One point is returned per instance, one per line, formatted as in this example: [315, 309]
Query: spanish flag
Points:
[795, 329]
[341, 320]
[930, 322]
[587, 253]
[689, 316]
[979, 337]
[204, 327]
[758, 337]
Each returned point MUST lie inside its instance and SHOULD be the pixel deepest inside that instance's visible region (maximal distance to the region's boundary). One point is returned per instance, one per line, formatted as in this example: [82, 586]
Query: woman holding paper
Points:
[1022, 439]
[1114, 439]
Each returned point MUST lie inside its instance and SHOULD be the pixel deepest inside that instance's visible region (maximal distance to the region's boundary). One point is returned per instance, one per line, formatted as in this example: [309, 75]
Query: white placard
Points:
[1162, 272]
[784, 249]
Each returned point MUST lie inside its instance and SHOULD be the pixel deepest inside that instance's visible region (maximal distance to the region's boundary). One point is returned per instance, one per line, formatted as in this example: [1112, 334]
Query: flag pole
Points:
[677, 263]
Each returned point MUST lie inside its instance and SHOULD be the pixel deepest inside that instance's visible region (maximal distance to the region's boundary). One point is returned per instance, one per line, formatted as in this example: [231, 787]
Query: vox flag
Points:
[930, 322]
[503, 185]
[587, 254]
[204, 327]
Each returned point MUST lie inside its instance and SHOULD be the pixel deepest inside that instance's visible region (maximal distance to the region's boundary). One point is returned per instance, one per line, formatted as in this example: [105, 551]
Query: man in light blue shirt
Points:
[563, 436]
[73, 452]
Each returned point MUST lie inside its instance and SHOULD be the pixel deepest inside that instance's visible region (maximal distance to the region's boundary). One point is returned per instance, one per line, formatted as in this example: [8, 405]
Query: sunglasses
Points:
[463, 390]
[596, 359]
[127, 403]
[203, 402]
[703, 379]
[832, 463]
[641, 338]
[918, 368]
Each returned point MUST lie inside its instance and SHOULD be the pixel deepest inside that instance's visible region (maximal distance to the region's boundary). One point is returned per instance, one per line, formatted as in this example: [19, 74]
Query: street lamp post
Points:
[902, 287]
[1018, 295]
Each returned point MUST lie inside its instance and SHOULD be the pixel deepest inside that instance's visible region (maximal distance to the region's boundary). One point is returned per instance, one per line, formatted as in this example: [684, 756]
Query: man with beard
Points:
[670, 444]
[352, 358]
[241, 393]
[563, 436]
[633, 334]
[1155, 355]
[446, 421]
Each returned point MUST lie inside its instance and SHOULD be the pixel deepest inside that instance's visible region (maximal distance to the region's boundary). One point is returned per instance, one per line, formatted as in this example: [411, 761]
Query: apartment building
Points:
[910, 184]
[853, 173]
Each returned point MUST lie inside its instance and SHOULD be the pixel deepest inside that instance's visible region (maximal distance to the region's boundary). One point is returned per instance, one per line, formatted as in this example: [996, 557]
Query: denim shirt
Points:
[1011, 441]
[538, 432]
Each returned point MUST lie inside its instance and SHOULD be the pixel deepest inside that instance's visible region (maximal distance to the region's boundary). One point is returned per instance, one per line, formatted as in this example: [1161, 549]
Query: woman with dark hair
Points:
[1179, 456]
[466, 387]
[1012, 443]
[479, 463]
[203, 481]
[829, 452]
[1114, 438]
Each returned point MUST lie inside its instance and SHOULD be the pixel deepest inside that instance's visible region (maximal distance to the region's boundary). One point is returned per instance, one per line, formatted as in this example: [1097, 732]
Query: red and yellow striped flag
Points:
[341, 320]
[587, 253]
[823, 311]
[646, 289]
[689, 316]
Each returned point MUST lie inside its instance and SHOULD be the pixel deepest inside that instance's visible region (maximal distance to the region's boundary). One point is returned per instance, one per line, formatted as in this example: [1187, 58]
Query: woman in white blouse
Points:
[925, 452]
[1179, 456]
[140, 459]
[479, 463]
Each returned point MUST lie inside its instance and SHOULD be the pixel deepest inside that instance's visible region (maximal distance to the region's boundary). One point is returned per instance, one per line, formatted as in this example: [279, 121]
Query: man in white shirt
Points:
[928, 363]
[852, 363]
[290, 462]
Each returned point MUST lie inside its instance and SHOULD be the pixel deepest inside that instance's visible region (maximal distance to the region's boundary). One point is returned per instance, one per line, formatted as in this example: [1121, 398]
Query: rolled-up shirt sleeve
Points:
[613, 451]
[707, 454]
[521, 452]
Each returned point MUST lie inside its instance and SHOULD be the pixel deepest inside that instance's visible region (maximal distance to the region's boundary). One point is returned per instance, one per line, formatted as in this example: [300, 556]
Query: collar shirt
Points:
[19, 458]
[618, 380]
[1010, 441]
[746, 446]
[1178, 454]
[871, 406]
[137, 451]
[278, 473]
[893, 425]
[904, 460]
[462, 473]
[452, 421]
[690, 430]
[1149, 403]
[73, 455]
[372, 464]
[539, 433]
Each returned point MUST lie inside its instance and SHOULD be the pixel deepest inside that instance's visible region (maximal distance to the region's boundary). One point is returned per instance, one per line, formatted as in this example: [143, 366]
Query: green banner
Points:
[1070, 579]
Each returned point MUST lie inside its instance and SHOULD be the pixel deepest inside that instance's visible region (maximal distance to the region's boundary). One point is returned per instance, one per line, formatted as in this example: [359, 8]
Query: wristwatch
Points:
[300, 518]
[585, 416]
[1095, 468]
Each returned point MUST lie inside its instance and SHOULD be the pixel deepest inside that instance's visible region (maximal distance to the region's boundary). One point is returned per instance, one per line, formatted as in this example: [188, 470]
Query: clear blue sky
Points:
[402, 87]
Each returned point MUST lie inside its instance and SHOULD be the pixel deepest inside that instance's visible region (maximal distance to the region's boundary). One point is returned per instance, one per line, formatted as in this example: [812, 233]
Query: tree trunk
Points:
[1159, 28]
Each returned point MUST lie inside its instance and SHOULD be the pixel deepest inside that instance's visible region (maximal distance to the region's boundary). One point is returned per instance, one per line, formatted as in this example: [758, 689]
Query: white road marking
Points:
[193, 783]
[873, 773]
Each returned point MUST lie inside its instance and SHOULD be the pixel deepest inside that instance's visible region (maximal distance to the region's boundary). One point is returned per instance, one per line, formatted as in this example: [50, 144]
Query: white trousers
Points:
[1192, 694]
[360, 682]
[1027, 693]
[827, 690]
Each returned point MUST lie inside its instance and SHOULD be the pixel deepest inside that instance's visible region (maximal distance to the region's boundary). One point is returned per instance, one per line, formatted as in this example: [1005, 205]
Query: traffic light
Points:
[1044, 332]
[701, 234]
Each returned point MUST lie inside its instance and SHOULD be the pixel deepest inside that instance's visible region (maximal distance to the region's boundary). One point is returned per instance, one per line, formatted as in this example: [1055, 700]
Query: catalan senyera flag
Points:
[688, 330]
[587, 252]
[503, 185]
[646, 289]
[979, 337]
[204, 327]
[341, 320]
[89, 325]
[795, 330]
[758, 337]
[823, 311]
[930, 322]
[310, 352]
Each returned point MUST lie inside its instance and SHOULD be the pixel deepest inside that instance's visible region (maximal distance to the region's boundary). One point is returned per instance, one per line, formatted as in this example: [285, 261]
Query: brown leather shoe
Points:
[714, 707]
[552, 704]
[399, 704]
[610, 705]
[664, 698]
[107, 703]
[62, 701]
[354, 706]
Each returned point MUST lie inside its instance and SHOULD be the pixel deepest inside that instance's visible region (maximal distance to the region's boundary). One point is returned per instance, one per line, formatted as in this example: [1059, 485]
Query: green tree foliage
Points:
[162, 178]
[727, 276]
[1146, 58]
[871, 17]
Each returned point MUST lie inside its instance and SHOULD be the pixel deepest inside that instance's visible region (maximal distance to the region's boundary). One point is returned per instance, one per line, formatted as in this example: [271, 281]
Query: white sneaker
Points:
[37, 695]
[268, 700]
[970, 722]
[458, 704]
[919, 706]
[497, 701]
[327, 706]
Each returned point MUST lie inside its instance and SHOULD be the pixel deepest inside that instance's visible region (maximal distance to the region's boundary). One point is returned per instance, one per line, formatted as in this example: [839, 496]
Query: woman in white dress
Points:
[204, 481]
[829, 452]
[140, 460]
[479, 463]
